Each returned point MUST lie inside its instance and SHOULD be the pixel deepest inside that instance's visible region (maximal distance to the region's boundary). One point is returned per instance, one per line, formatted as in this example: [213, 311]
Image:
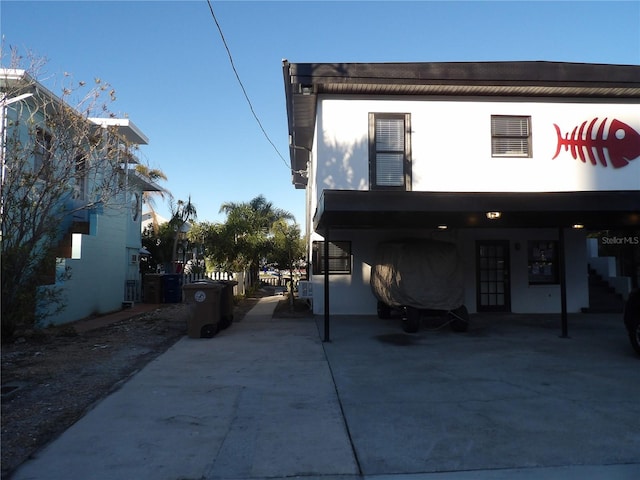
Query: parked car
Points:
[632, 319]
[419, 277]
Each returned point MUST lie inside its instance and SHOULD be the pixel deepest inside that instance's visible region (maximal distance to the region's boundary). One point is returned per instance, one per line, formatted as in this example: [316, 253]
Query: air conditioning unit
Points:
[305, 289]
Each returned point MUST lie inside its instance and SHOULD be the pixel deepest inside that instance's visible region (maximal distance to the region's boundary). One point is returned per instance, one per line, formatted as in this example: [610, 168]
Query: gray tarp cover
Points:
[418, 273]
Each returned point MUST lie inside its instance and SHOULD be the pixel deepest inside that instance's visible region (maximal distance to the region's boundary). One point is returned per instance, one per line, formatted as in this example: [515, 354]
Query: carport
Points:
[354, 209]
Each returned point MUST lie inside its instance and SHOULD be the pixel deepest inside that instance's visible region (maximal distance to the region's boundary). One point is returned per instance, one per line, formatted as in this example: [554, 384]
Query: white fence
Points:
[240, 277]
[133, 291]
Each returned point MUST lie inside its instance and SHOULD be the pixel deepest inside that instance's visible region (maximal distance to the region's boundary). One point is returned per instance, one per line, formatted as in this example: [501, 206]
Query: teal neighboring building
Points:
[97, 267]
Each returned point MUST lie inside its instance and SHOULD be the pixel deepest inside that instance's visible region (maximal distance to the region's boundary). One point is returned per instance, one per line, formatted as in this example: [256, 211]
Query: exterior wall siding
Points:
[352, 295]
[100, 260]
[451, 151]
[451, 146]
[97, 280]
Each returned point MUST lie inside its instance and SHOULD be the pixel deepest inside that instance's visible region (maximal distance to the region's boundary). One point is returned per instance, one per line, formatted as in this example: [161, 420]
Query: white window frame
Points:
[511, 136]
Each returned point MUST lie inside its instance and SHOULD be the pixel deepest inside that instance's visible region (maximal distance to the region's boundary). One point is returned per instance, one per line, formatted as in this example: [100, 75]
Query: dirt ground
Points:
[52, 377]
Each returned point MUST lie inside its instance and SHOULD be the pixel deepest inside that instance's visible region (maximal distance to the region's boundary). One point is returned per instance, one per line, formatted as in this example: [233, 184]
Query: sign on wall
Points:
[615, 141]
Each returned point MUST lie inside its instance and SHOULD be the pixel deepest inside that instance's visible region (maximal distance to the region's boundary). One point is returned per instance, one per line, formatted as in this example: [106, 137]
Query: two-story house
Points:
[97, 211]
[513, 162]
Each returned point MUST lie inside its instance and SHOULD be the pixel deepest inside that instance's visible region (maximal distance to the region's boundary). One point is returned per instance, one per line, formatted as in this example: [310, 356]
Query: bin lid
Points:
[202, 285]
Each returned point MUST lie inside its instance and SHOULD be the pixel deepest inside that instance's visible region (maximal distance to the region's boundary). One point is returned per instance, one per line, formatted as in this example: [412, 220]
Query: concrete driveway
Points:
[508, 394]
[267, 399]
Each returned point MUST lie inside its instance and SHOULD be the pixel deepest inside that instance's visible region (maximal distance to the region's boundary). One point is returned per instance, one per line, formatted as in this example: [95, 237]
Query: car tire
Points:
[459, 319]
[411, 320]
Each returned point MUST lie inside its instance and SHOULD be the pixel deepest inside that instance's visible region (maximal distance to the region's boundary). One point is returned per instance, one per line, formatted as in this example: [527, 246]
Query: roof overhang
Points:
[125, 128]
[21, 81]
[305, 81]
[142, 183]
[355, 209]
[14, 78]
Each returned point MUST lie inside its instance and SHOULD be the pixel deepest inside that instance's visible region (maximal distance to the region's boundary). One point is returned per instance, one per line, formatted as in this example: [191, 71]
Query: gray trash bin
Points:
[203, 319]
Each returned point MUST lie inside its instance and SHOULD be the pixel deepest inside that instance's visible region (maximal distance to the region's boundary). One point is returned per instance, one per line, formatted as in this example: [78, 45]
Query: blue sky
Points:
[173, 78]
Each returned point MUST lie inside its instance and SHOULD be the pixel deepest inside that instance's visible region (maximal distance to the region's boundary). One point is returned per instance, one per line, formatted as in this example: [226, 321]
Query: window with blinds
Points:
[339, 257]
[389, 150]
[510, 136]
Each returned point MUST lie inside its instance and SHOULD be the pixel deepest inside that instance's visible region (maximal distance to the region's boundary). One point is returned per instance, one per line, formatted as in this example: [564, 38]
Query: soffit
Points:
[344, 209]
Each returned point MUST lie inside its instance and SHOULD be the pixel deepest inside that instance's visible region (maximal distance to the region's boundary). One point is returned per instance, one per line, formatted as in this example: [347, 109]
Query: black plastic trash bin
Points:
[203, 319]
[226, 302]
[172, 288]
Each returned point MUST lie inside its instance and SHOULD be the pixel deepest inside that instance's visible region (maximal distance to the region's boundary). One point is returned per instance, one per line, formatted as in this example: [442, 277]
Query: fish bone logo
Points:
[619, 143]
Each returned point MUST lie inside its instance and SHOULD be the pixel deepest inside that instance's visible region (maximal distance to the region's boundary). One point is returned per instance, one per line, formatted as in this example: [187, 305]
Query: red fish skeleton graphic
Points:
[621, 142]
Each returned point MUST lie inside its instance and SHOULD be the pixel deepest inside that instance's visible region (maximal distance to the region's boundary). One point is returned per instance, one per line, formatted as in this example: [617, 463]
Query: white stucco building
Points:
[514, 162]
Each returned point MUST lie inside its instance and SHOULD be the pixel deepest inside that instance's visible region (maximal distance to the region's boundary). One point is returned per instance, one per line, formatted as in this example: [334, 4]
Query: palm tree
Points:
[266, 213]
[182, 213]
[259, 214]
[148, 198]
[250, 223]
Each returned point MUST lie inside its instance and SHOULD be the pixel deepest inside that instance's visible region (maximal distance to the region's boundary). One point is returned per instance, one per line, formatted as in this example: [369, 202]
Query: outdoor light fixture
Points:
[493, 215]
[577, 226]
[306, 89]
[442, 227]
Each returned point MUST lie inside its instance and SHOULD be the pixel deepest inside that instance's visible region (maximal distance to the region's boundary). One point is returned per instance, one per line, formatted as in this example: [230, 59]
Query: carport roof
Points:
[348, 209]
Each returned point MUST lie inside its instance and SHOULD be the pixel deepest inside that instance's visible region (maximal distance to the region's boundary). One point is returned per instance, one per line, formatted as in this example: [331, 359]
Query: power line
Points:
[244, 91]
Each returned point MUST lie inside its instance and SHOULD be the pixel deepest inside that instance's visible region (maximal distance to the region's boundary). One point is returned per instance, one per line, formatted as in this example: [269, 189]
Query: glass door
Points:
[492, 276]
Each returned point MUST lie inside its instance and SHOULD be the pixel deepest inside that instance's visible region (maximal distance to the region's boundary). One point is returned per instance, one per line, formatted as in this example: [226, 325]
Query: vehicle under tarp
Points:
[423, 274]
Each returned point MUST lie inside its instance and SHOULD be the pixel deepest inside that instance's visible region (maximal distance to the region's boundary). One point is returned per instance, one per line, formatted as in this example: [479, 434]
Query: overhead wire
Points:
[244, 91]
